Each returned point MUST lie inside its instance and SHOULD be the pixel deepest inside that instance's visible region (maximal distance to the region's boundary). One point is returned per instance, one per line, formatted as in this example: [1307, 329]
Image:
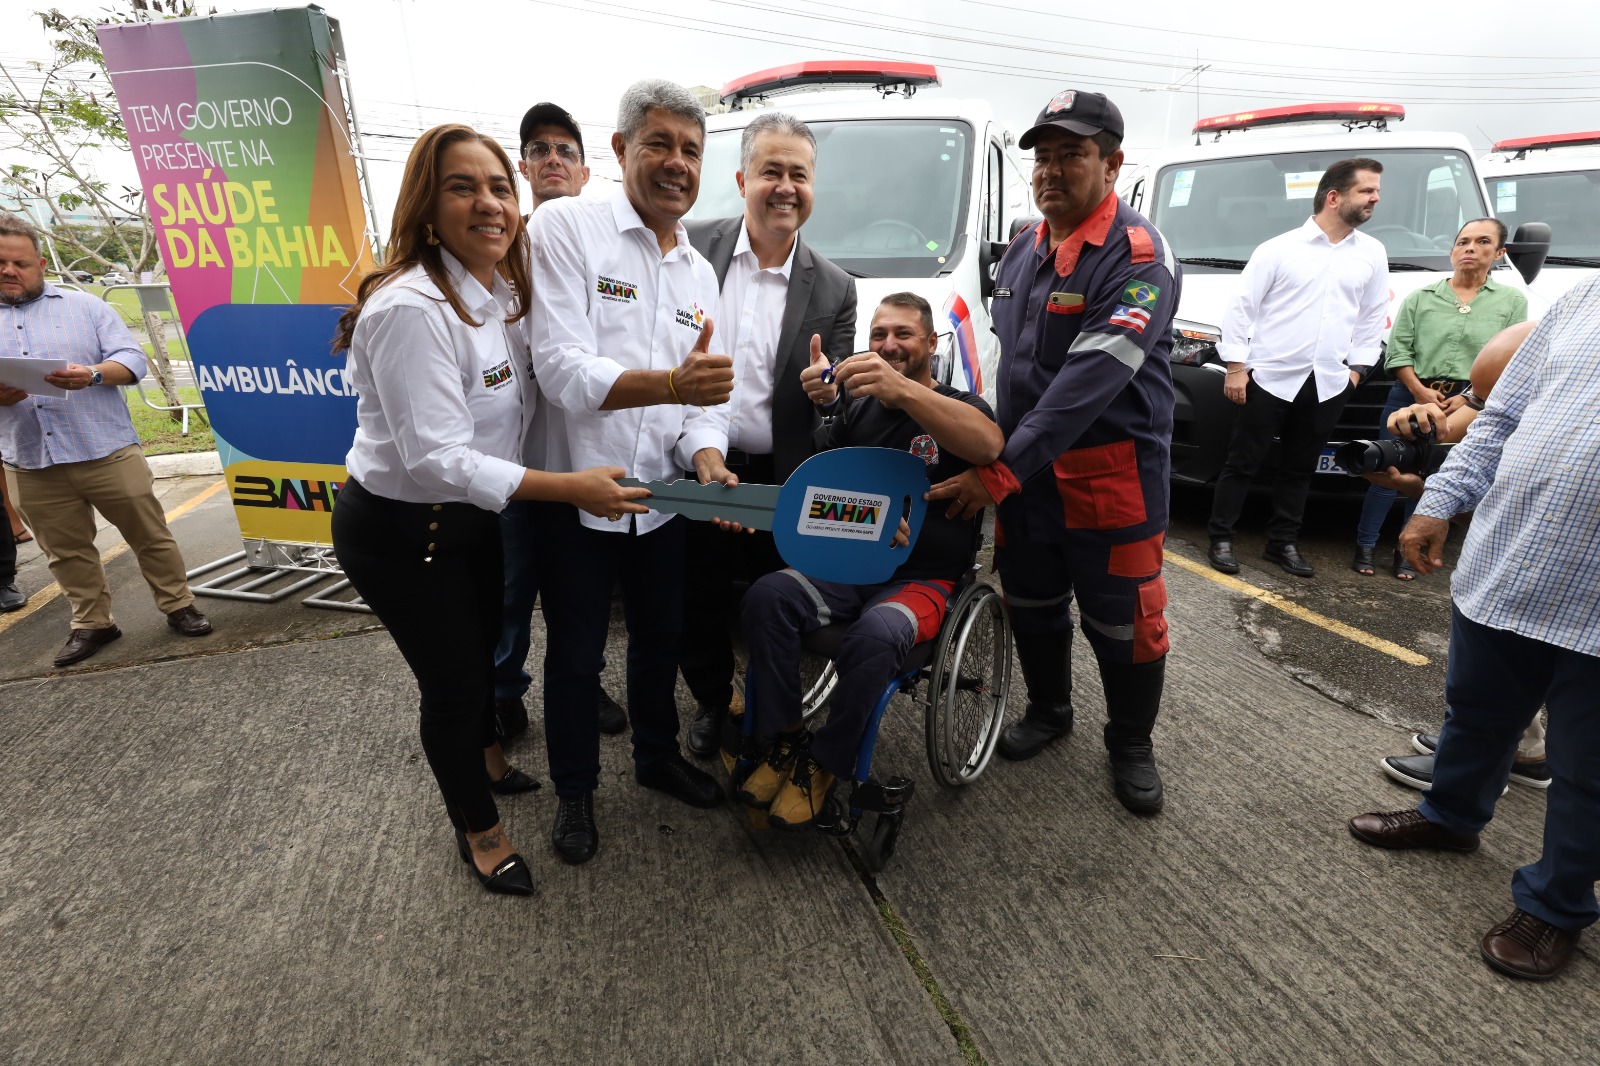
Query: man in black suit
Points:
[783, 308]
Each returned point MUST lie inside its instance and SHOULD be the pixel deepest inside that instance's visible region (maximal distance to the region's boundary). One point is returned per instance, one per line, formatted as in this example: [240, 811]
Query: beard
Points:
[1354, 214]
[25, 296]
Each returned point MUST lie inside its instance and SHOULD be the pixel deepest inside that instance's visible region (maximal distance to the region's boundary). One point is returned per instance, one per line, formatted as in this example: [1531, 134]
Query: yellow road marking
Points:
[50, 592]
[1305, 614]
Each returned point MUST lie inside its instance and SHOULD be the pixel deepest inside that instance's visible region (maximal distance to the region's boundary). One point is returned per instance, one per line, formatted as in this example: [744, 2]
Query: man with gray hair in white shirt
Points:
[1308, 317]
[621, 328]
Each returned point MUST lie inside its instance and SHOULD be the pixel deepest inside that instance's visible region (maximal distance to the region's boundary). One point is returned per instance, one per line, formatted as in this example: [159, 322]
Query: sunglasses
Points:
[536, 150]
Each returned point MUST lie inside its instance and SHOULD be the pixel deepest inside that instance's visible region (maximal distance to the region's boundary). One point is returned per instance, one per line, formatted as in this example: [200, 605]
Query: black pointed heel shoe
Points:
[510, 878]
[514, 782]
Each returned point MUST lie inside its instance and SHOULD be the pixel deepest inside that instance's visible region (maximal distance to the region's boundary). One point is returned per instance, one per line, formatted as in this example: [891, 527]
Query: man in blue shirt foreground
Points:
[1524, 631]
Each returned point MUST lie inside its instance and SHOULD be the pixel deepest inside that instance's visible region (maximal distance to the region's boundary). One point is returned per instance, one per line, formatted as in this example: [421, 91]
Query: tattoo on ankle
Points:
[491, 841]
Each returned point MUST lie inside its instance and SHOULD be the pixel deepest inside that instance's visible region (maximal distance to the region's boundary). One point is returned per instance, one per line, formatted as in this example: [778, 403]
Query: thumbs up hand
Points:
[820, 392]
[703, 379]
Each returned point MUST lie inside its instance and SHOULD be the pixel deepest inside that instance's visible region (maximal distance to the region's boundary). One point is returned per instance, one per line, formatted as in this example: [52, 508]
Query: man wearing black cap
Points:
[550, 156]
[1083, 309]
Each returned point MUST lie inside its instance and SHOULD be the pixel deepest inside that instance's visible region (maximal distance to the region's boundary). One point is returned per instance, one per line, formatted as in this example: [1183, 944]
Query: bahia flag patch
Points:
[1135, 318]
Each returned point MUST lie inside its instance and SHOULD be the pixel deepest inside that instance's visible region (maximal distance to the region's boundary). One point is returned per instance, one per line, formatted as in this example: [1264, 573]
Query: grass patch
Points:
[159, 434]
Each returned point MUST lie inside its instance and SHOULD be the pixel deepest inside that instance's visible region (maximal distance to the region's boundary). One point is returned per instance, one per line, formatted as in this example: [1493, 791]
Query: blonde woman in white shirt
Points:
[444, 389]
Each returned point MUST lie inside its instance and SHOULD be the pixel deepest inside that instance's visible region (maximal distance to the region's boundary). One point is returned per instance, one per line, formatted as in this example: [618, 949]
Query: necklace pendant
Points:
[1463, 309]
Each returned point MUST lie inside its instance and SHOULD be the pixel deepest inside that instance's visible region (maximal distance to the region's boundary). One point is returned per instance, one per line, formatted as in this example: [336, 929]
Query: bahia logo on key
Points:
[839, 513]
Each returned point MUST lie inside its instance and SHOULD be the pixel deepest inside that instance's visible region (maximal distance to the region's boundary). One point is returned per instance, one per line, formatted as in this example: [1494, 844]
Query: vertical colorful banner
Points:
[239, 129]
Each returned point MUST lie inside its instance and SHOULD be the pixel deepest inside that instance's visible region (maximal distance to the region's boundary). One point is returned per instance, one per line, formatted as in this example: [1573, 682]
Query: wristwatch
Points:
[96, 378]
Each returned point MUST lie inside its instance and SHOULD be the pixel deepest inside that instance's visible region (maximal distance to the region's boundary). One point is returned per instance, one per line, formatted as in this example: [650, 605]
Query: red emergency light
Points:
[1549, 140]
[1378, 114]
[833, 73]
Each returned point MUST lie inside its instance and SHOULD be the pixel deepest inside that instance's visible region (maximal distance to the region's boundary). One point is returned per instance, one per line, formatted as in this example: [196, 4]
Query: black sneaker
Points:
[705, 732]
[1413, 771]
[1535, 773]
[1425, 743]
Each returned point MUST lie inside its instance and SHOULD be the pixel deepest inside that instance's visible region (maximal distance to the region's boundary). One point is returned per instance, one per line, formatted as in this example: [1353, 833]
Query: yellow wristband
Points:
[674, 388]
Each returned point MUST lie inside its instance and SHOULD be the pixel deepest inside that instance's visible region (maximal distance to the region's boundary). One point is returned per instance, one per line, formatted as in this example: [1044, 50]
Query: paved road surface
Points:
[229, 850]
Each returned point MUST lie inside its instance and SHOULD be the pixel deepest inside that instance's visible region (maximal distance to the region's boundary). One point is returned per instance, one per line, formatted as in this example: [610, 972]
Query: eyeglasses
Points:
[539, 149]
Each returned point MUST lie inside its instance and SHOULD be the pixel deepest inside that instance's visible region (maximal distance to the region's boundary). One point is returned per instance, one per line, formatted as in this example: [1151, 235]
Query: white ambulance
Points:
[1244, 181]
[912, 194]
[1553, 179]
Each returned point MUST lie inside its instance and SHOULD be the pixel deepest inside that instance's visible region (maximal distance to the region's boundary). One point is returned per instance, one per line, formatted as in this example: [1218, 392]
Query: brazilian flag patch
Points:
[1141, 294]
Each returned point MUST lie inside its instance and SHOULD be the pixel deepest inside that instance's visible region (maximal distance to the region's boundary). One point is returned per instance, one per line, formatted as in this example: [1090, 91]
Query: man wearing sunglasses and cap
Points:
[1083, 309]
[551, 158]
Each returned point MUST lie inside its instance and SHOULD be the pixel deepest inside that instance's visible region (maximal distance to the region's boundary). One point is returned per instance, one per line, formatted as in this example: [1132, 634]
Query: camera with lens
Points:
[1421, 455]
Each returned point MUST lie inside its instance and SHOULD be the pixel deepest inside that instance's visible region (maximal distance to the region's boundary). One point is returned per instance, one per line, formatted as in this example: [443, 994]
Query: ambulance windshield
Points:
[890, 194]
[1221, 209]
[1569, 202]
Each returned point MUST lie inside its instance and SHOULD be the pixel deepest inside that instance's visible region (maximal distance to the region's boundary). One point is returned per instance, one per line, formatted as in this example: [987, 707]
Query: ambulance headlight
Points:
[1194, 343]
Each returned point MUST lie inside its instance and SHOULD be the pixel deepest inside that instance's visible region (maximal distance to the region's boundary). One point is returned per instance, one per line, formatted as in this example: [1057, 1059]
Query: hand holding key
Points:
[703, 379]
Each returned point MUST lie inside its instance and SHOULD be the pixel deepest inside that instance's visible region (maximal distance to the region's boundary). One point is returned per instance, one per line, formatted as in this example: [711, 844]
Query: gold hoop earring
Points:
[431, 238]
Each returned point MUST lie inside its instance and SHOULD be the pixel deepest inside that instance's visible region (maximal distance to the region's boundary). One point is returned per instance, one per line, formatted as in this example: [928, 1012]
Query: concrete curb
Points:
[185, 464]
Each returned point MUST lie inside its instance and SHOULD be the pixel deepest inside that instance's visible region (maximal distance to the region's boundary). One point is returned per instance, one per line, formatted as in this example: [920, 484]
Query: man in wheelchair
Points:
[893, 402]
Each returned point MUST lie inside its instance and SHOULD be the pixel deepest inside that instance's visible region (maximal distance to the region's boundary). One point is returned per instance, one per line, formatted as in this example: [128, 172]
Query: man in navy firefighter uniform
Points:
[1083, 310]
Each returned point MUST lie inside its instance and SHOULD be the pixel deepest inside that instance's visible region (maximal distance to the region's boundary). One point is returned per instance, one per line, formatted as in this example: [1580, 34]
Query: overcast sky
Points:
[1474, 66]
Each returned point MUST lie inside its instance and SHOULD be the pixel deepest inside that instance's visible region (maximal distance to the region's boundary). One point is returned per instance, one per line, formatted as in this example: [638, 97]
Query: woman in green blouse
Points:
[1437, 333]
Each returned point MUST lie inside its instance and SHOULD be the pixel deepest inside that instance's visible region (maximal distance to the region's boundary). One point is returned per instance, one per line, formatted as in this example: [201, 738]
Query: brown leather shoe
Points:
[1529, 947]
[1408, 829]
[189, 621]
[83, 643]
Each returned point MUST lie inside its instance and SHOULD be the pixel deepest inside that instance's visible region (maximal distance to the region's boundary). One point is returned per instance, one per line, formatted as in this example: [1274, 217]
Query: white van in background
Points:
[918, 195]
[1553, 179]
[1216, 200]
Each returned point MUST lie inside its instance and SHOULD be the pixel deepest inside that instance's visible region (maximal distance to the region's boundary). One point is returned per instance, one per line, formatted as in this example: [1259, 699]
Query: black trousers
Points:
[432, 575]
[1302, 426]
[8, 547]
[722, 564]
[577, 618]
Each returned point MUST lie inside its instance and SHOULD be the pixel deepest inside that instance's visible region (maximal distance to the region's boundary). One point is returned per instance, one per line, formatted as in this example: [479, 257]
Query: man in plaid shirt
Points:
[67, 457]
[1524, 631]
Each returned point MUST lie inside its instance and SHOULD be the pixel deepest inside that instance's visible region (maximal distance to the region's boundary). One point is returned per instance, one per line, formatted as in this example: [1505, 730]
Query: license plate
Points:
[1327, 465]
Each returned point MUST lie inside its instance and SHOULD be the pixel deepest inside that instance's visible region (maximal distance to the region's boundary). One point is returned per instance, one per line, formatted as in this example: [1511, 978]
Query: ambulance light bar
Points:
[1364, 113]
[1550, 140]
[830, 74]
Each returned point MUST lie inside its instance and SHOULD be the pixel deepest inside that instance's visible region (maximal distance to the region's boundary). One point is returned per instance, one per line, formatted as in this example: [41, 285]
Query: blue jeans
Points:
[517, 534]
[1380, 500]
[1495, 684]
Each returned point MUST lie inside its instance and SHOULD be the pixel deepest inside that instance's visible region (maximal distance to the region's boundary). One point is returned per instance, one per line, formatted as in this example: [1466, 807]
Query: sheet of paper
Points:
[28, 375]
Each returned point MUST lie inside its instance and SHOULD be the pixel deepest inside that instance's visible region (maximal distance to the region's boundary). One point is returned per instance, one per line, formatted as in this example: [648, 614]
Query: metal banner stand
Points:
[266, 562]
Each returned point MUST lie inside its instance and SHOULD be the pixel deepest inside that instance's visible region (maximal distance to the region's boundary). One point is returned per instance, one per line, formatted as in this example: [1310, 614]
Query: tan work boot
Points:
[767, 779]
[732, 733]
[800, 801]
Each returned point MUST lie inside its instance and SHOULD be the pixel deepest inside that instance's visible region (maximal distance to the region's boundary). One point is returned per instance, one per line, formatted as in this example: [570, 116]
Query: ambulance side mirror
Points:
[989, 253]
[1528, 248]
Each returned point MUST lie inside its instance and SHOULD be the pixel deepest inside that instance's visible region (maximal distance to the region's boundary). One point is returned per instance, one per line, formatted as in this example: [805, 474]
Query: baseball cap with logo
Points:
[1085, 114]
[547, 114]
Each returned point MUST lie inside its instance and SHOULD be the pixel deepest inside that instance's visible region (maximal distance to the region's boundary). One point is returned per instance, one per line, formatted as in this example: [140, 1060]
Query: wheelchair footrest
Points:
[882, 797]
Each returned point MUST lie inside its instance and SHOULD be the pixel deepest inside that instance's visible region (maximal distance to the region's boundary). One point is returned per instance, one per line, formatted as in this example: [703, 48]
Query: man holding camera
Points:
[1525, 631]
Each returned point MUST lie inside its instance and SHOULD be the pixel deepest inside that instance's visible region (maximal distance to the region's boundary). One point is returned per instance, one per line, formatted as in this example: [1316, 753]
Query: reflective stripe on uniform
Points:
[1166, 256]
[824, 615]
[1115, 345]
[1114, 632]
[911, 616]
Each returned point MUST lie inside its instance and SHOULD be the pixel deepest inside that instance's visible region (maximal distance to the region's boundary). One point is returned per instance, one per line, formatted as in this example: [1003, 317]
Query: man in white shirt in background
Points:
[620, 332]
[1309, 316]
[551, 158]
[784, 307]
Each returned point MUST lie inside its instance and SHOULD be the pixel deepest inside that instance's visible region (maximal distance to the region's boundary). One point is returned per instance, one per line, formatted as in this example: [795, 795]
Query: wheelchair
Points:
[960, 678]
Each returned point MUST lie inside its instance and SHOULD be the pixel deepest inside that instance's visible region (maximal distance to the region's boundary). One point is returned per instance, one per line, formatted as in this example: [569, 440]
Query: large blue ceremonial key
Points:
[834, 519]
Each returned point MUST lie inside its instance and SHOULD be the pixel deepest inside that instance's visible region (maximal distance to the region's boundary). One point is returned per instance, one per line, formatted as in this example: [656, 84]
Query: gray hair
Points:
[644, 96]
[16, 226]
[778, 122]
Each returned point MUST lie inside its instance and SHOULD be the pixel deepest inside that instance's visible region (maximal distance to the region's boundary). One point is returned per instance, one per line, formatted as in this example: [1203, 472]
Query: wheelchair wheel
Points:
[971, 675]
[817, 678]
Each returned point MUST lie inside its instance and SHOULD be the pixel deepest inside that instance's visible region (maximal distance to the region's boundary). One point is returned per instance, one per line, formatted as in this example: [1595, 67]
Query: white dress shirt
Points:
[607, 301]
[753, 299]
[440, 407]
[1307, 304]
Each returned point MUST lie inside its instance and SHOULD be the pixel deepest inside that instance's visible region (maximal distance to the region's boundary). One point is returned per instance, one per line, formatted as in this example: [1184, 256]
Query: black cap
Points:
[1085, 114]
[547, 114]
